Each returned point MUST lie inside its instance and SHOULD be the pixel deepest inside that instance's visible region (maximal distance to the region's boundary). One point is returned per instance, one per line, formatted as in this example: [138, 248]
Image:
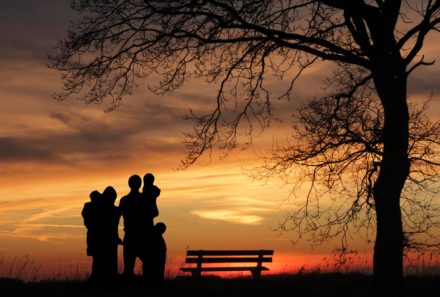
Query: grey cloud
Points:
[155, 113]
[29, 28]
[89, 129]
[90, 137]
[59, 148]
[425, 81]
[21, 149]
[136, 116]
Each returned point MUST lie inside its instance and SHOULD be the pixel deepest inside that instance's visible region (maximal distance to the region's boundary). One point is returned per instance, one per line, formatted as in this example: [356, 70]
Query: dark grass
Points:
[298, 285]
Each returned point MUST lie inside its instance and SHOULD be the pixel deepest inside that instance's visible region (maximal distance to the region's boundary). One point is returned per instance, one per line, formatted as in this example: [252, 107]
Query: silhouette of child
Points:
[90, 214]
[150, 192]
[159, 253]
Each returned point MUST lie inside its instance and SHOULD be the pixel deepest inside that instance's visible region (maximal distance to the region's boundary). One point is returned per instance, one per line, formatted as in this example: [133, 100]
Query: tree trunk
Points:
[391, 82]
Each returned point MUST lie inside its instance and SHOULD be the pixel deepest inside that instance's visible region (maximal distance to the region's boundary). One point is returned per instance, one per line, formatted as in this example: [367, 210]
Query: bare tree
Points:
[336, 152]
[236, 43]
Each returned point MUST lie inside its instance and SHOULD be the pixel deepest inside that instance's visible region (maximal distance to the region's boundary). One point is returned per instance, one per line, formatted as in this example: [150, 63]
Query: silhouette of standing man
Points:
[136, 226]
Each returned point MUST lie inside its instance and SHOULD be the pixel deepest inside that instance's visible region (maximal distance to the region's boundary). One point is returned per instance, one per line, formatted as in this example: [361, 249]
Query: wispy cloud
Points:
[51, 225]
[231, 216]
[52, 237]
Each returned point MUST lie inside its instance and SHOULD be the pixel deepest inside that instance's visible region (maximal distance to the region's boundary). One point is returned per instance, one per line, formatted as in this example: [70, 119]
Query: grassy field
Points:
[319, 284]
[22, 277]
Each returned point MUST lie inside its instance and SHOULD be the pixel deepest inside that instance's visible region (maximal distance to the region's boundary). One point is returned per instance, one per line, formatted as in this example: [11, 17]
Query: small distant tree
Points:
[237, 44]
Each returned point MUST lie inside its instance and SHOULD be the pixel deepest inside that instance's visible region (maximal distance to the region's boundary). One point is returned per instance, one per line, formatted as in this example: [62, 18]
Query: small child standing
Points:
[160, 253]
[90, 214]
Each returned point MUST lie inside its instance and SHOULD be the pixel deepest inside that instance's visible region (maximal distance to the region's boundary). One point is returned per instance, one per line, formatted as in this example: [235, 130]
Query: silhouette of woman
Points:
[101, 217]
[110, 238]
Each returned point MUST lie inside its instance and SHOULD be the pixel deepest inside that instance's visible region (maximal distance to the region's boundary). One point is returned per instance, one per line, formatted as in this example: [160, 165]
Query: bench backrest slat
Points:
[227, 260]
[229, 252]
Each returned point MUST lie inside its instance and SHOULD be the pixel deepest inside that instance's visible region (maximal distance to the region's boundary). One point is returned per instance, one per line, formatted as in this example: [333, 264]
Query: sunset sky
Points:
[53, 154]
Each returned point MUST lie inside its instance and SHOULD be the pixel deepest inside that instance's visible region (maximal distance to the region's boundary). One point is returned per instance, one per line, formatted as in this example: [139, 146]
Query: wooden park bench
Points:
[227, 257]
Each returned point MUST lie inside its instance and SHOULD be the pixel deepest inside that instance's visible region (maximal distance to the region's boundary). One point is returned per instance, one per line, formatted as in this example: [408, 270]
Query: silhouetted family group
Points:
[142, 238]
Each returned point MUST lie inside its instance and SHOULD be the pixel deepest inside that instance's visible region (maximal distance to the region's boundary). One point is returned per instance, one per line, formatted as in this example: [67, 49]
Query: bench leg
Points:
[196, 273]
[256, 273]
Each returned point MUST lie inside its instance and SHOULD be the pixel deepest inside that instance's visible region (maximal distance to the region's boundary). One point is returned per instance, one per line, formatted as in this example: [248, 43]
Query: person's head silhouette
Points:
[110, 195]
[94, 196]
[135, 182]
[148, 179]
[160, 227]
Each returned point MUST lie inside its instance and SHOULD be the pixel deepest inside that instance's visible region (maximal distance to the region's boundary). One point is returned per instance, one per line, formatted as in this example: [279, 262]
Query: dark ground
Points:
[332, 284]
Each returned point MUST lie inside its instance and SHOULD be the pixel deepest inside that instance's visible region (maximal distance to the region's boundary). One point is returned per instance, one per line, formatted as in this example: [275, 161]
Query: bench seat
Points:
[244, 268]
